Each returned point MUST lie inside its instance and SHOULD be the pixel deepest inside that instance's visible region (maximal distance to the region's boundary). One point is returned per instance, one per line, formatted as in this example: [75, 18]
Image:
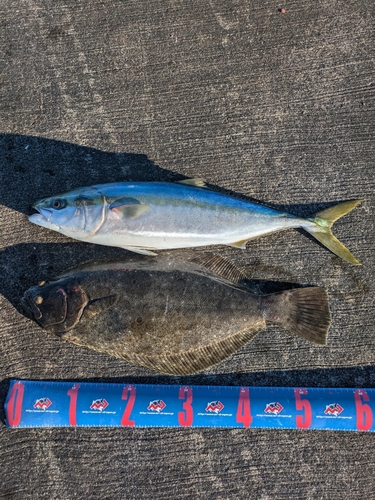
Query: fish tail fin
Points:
[321, 229]
[302, 311]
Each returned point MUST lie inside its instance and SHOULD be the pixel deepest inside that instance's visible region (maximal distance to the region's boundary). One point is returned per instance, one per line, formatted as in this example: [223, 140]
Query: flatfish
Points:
[175, 314]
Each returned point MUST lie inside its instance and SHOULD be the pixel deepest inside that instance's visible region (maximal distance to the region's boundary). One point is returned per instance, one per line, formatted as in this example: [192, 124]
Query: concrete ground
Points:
[273, 102]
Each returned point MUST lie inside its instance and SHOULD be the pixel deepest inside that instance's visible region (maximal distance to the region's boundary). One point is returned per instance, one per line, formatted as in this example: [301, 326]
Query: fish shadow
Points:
[351, 377]
[36, 167]
[25, 264]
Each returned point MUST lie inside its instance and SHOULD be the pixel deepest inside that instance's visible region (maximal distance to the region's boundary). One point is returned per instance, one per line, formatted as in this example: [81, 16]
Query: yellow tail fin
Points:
[322, 230]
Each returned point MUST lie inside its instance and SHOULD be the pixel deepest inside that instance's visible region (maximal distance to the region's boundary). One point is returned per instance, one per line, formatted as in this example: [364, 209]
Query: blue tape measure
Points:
[66, 404]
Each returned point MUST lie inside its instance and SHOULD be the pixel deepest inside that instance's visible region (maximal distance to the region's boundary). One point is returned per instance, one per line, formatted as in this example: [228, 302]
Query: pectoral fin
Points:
[98, 306]
[128, 208]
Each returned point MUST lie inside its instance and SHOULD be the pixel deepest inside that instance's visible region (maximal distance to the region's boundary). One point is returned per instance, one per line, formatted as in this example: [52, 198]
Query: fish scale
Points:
[82, 404]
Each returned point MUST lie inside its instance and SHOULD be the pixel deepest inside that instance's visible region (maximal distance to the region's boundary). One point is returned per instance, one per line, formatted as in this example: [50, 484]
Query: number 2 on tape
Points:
[128, 394]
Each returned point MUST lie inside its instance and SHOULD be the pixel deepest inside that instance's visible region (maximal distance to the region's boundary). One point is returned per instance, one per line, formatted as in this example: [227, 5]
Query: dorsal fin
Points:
[223, 269]
[198, 182]
[101, 265]
[206, 264]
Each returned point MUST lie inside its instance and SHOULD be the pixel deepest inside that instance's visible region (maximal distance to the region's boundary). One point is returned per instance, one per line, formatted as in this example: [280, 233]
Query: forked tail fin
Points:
[302, 311]
[321, 230]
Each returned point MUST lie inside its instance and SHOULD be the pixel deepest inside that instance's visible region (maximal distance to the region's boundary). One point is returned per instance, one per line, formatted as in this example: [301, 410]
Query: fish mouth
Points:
[30, 309]
[44, 212]
[43, 218]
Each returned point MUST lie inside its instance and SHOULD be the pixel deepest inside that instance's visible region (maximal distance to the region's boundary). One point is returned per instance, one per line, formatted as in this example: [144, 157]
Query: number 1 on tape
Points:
[64, 404]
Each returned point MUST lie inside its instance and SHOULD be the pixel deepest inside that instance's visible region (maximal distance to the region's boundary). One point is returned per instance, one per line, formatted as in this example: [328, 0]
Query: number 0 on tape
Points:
[65, 404]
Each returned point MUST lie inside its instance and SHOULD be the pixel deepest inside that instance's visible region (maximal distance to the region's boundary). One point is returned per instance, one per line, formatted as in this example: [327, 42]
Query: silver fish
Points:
[174, 315]
[147, 216]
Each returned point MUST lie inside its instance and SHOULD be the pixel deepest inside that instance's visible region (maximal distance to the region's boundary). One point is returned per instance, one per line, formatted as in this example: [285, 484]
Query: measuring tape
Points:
[66, 404]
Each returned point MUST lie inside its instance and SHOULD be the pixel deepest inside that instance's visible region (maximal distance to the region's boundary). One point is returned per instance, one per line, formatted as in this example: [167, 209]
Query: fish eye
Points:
[38, 300]
[57, 204]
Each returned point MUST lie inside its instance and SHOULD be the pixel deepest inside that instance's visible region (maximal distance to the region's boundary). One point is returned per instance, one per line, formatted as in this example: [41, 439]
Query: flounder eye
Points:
[38, 300]
[57, 204]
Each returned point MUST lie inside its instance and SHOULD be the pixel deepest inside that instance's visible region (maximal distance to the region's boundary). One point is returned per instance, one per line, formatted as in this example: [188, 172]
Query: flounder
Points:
[174, 314]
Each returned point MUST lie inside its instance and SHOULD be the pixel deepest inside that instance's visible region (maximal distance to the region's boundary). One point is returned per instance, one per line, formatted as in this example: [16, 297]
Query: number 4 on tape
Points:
[63, 404]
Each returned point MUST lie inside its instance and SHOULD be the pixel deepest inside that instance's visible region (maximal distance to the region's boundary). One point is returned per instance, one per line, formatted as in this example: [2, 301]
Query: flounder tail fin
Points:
[302, 311]
[321, 230]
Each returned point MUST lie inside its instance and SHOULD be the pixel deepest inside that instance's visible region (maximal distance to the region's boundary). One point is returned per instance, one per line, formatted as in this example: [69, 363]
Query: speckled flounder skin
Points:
[176, 316]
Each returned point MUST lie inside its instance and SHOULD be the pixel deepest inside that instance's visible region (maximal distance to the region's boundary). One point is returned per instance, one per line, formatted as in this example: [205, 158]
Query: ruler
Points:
[66, 404]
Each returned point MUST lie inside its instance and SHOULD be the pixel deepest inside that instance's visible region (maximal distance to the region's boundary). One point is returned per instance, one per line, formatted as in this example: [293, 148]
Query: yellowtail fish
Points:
[147, 216]
[174, 315]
